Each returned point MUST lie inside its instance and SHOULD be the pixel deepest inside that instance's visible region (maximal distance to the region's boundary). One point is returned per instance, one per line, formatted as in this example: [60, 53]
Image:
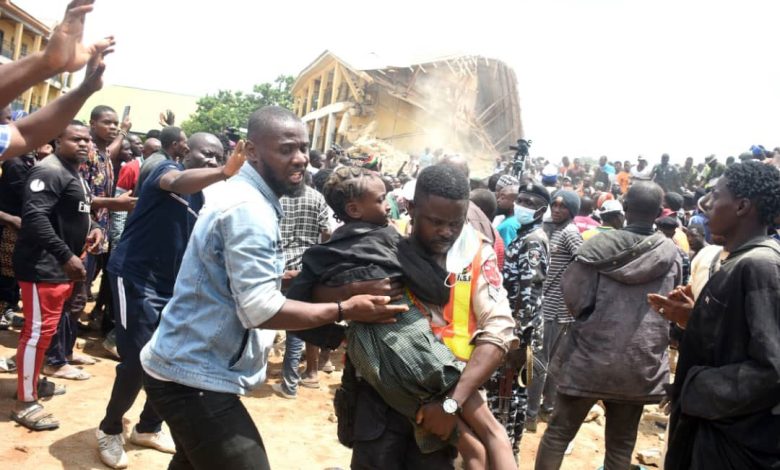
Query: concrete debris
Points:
[596, 414]
[649, 457]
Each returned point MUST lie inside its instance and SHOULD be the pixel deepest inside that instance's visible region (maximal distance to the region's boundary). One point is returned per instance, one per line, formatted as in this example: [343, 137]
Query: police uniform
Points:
[525, 269]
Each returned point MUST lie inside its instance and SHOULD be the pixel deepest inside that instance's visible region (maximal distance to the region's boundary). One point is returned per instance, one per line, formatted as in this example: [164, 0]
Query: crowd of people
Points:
[469, 309]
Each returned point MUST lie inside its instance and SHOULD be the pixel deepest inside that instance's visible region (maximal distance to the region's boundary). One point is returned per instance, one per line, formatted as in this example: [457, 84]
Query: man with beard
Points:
[215, 333]
[142, 272]
[55, 227]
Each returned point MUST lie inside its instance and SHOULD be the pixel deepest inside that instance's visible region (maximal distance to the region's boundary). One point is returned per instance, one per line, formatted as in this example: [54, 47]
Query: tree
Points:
[232, 108]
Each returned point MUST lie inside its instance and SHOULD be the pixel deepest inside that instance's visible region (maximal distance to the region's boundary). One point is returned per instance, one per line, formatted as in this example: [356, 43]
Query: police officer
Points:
[525, 268]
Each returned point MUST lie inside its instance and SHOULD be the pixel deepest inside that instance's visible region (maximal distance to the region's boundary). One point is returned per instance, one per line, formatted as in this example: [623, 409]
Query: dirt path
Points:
[298, 434]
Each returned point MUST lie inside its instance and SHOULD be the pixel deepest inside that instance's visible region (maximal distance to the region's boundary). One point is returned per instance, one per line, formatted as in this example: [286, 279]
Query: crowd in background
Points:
[555, 289]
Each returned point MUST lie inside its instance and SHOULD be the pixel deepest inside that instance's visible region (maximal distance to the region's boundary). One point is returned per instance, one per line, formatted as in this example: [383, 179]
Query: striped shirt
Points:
[564, 243]
[5, 137]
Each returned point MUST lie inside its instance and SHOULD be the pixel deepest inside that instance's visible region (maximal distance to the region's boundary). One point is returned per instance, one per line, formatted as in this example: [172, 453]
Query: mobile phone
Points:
[126, 113]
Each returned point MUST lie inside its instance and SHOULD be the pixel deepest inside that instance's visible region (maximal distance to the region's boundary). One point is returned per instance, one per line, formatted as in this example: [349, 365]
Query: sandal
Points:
[81, 360]
[35, 419]
[67, 372]
[309, 383]
[47, 389]
[7, 364]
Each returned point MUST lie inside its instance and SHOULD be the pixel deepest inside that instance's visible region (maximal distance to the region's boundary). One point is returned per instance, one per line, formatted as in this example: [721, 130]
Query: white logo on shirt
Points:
[84, 207]
[36, 185]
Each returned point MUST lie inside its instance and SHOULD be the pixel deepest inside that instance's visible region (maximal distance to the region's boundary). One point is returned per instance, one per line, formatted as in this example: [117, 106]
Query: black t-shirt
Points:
[55, 222]
[12, 182]
[156, 234]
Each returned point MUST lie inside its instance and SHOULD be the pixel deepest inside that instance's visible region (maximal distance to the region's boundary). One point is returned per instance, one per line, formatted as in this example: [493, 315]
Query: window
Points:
[23, 50]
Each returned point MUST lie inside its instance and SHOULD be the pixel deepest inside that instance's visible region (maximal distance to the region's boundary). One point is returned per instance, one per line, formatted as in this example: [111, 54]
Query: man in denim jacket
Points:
[214, 335]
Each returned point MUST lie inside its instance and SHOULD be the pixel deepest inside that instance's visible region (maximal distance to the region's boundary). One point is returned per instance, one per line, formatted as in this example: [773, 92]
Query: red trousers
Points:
[42, 305]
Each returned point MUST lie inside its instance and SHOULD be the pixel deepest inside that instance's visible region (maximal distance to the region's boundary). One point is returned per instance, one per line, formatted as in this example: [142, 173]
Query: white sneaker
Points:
[112, 449]
[156, 440]
[569, 448]
[279, 390]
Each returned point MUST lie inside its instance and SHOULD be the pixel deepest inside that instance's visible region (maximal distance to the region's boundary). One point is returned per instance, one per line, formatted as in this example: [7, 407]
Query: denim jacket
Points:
[228, 283]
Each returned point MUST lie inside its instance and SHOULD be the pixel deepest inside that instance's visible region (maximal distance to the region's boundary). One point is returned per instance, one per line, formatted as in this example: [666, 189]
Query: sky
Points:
[595, 77]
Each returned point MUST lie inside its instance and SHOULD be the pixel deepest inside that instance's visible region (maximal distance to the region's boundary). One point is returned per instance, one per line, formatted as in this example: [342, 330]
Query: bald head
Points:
[643, 202]
[269, 120]
[150, 146]
[205, 151]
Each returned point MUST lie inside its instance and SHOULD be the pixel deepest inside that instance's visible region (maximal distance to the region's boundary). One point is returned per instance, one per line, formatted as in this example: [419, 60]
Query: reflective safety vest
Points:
[461, 323]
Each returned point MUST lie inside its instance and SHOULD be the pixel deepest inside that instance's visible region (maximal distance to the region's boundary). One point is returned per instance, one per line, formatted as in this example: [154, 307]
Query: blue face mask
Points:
[524, 215]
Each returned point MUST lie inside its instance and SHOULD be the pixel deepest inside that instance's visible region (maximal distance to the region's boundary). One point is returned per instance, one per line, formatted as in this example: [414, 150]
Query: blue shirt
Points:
[156, 234]
[508, 229]
[701, 219]
[228, 284]
[5, 137]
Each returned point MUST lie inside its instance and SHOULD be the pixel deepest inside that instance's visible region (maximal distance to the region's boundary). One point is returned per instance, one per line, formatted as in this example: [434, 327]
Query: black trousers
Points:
[211, 430]
[138, 308]
[622, 423]
[384, 439]
[64, 339]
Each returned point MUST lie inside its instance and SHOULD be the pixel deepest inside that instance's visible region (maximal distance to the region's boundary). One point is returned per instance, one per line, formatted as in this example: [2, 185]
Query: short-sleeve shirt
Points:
[156, 235]
[98, 172]
[5, 137]
[128, 175]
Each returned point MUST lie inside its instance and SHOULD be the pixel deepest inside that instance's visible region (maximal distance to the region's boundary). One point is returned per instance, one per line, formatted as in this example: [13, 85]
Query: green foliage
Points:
[232, 108]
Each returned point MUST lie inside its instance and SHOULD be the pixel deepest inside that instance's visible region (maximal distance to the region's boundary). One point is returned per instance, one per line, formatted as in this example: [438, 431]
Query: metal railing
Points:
[7, 49]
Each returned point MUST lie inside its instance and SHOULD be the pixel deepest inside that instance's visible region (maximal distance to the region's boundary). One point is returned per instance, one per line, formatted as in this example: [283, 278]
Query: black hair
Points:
[169, 136]
[644, 199]
[267, 118]
[477, 183]
[153, 134]
[315, 154]
[674, 201]
[758, 182]
[345, 184]
[586, 206]
[99, 110]
[443, 181]
[320, 178]
[486, 201]
[493, 181]
[73, 122]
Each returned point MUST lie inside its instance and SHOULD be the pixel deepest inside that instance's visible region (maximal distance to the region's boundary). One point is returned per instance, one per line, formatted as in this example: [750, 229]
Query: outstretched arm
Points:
[64, 53]
[194, 180]
[46, 123]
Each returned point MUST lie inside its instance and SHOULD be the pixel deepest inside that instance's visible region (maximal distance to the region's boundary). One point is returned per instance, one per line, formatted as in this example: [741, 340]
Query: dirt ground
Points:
[298, 434]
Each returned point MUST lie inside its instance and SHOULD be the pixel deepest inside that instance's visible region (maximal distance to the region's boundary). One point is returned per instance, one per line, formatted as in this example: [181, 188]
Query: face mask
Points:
[463, 250]
[524, 215]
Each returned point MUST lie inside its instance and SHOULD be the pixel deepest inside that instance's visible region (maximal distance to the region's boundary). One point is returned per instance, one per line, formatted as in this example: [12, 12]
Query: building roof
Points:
[15, 12]
[361, 63]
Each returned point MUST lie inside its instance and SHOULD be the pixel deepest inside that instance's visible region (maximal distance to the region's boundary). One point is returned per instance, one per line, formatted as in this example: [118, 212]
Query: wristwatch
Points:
[450, 406]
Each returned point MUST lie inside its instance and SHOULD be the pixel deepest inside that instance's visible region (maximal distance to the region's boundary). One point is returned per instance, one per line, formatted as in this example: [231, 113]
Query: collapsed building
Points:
[461, 104]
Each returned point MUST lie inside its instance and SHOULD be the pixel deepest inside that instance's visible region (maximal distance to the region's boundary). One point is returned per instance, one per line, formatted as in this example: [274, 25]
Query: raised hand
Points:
[65, 52]
[93, 80]
[236, 160]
